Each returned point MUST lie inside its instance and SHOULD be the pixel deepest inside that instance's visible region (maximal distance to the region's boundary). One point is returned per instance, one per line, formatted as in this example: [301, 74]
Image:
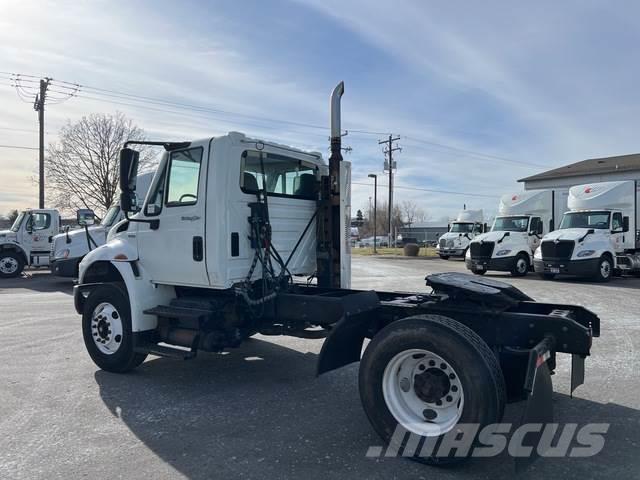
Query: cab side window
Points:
[536, 224]
[616, 222]
[154, 205]
[183, 177]
[39, 221]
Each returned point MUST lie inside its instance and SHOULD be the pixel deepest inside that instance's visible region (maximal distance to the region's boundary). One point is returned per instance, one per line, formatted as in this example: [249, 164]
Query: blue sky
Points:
[525, 85]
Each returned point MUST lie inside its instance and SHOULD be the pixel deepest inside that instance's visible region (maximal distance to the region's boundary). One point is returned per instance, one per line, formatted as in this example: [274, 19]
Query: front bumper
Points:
[65, 267]
[451, 252]
[578, 268]
[502, 264]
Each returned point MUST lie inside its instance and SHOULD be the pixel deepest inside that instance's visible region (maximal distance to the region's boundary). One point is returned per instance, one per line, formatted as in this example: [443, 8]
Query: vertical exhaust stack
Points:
[328, 247]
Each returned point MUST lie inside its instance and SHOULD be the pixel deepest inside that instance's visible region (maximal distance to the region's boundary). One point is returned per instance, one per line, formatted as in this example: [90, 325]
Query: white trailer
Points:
[456, 241]
[28, 241]
[523, 218]
[227, 244]
[69, 248]
[598, 236]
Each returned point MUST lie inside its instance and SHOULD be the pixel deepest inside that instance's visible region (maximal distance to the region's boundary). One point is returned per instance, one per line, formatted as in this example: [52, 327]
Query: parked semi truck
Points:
[69, 248]
[28, 241]
[523, 218]
[455, 242]
[239, 236]
[598, 236]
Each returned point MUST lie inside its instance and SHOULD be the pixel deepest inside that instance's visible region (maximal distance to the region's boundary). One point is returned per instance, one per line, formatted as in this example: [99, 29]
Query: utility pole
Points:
[389, 164]
[38, 106]
[375, 208]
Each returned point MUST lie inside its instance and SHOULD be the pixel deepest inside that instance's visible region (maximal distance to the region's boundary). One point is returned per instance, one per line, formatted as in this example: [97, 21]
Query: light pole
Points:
[375, 208]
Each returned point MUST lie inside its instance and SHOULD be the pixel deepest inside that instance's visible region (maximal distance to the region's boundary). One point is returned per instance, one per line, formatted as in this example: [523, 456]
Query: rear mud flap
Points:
[539, 408]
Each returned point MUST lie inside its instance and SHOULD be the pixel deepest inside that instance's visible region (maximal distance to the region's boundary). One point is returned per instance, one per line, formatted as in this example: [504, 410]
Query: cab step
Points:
[165, 351]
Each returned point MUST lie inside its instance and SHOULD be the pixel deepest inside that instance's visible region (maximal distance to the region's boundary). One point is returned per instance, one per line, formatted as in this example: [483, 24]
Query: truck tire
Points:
[547, 276]
[106, 328]
[427, 374]
[475, 271]
[605, 269]
[520, 265]
[11, 264]
[444, 257]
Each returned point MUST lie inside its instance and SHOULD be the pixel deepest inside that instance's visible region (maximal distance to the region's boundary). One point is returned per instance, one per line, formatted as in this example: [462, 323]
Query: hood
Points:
[495, 236]
[572, 234]
[7, 236]
[454, 236]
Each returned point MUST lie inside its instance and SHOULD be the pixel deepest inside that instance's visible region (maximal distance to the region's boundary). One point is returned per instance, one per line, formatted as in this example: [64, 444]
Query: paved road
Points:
[259, 412]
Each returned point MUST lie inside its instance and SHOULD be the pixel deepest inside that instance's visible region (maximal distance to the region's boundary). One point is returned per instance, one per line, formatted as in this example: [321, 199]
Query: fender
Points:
[10, 245]
[143, 294]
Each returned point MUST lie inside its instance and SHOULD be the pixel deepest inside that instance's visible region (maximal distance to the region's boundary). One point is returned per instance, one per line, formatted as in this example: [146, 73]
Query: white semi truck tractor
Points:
[523, 218]
[69, 248]
[455, 242]
[28, 242]
[598, 236]
[241, 236]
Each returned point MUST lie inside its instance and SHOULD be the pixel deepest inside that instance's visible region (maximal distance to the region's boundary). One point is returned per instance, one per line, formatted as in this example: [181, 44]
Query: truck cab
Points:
[69, 248]
[516, 233]
[597, 235]
[466, 227]
[28, 241]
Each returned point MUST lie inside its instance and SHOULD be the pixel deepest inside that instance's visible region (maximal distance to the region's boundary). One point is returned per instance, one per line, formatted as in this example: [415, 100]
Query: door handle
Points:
[198, 250]
[190, 219]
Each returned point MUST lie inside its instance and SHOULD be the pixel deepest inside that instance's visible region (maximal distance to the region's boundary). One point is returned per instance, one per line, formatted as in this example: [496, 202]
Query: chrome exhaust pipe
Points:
[336, 95]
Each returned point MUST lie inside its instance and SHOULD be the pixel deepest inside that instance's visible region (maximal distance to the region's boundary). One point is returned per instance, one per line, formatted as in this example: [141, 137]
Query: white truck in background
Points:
[455, 242]
[598, 236]
[28, 241]
[523, 218]
[69, 248]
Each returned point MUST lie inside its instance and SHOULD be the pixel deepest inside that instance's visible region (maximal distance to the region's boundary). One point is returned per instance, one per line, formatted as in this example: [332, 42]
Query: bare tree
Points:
[82, 169]
[409, 209]
[12, 215]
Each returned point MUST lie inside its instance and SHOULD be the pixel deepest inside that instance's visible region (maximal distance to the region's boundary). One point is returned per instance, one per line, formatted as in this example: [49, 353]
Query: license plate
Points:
[554, 270]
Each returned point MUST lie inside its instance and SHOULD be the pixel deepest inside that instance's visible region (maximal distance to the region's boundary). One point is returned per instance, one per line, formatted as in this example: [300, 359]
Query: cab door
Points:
[173, 251]
[536, 230]
[617, 232]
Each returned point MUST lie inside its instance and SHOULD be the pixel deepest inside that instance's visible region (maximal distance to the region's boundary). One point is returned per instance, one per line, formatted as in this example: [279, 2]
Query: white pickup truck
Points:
[69, 248]
[455, 242]
[598, 236]
[27, 242]
[522, 220]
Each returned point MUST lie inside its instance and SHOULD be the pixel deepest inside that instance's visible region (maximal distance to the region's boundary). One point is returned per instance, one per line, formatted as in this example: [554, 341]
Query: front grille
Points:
[562, 249]
[481, 249]
[443, 243]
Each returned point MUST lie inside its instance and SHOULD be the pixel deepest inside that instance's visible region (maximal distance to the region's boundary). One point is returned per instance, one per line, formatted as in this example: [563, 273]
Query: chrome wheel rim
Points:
[8, 265]
[423, 392]
[521, 265]
[605, 269]
[106, 328]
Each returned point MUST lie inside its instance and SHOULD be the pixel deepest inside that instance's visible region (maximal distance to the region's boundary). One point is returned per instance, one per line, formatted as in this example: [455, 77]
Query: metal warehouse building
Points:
[428, 232]
[608, 169]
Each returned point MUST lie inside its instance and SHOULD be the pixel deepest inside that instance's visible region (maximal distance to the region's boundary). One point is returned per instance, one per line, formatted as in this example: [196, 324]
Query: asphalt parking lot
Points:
[259, 411]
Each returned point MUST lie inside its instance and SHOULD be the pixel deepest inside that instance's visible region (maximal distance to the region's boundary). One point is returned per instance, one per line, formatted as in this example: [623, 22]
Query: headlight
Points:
[502, 253]
[586, 253]
[468, 254]
[537, 253]
[63, 253]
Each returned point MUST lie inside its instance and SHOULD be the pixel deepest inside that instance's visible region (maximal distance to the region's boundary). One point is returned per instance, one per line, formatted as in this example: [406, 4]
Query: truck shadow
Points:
[37, 281]
[259, 412]
[616, 282]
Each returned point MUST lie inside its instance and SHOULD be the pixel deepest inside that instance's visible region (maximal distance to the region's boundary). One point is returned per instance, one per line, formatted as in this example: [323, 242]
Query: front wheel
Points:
[106, 328]
[605, 269]
[11, 264]
[428, 374]
[520, 266]
[475, 271]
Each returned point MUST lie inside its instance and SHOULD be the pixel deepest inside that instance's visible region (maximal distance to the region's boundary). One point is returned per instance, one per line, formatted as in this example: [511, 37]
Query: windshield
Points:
[462, 228]
[585, 220]
[111, 215]
[510, 224]
[16, 225]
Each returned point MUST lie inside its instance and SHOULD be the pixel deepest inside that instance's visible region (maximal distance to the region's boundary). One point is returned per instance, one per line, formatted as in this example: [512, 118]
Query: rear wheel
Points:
[520, 265]
[605, 269]
[427, 374]
[106, 328]
[11, 264]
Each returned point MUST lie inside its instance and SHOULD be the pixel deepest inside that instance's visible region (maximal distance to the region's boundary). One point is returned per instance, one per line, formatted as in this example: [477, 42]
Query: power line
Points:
[431, 190]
